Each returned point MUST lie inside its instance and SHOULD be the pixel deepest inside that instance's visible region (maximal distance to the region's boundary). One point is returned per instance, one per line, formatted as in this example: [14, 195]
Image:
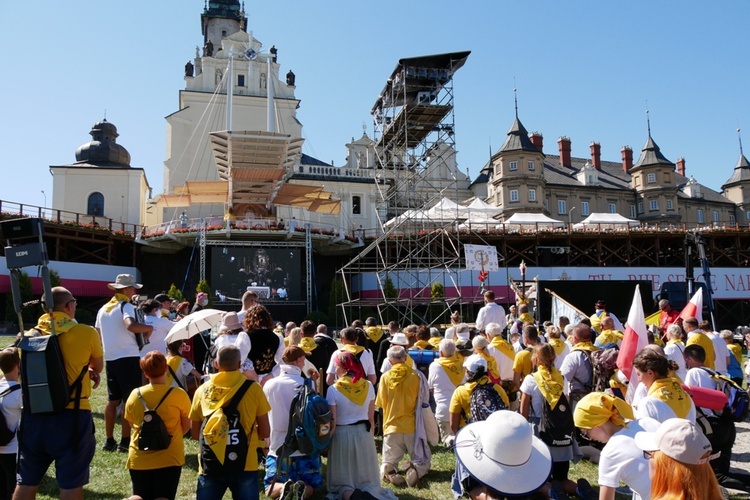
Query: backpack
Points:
[556, 427]
[153, 435]
[309, 430]
[603, 364]
[739, 399]
[208, 362]
[483, 402]
[6, 435]
[44, 380]
[237, 445]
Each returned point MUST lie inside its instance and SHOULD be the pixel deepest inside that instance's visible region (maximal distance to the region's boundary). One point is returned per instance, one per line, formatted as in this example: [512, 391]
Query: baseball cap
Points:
[679, 439]
[474, 362]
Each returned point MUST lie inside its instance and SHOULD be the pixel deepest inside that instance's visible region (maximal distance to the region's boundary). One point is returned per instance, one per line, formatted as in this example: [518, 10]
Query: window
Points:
[513, 195]
[532, 194]
[654, 205]
[651, 178]
[240, 80]
[546, 205]
[715, 216]
[513, 165]
[95, 204]
[640, 207]
[531, 165]
[613, 208]
[356, 205]
[669, 205]
[585, 208]
[632, 212]
[748, 215]
[732, 220]
[700, 215]
[562, 207]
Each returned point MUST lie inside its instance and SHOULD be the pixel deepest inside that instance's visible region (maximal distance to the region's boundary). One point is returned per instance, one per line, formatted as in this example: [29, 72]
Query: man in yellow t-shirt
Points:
[253, 409]
[697, 336]
[522, 364]
[398, 396]
[74, 446]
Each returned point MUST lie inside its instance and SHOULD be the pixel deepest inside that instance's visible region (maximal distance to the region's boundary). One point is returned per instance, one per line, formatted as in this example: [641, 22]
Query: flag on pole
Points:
[694, 308]
[560, 307]
[635, 339]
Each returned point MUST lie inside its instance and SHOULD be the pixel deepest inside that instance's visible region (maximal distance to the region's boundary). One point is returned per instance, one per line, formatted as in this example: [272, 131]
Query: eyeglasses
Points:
[648, 455]
[584, 433]
[75, 301]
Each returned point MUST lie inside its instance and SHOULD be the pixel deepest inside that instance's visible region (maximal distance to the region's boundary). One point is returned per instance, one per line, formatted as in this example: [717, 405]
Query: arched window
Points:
[95, 204]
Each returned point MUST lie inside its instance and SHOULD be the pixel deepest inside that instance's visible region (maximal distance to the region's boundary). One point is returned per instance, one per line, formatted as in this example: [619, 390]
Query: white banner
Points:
[562, 308]
[480, 257]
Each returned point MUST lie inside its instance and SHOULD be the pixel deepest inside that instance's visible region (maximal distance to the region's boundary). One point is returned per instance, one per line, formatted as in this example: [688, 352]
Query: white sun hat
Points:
[399, 339]
[503, 453]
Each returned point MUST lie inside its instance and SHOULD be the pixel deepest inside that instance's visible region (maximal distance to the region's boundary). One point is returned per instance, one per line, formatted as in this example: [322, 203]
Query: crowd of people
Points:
[515, 401]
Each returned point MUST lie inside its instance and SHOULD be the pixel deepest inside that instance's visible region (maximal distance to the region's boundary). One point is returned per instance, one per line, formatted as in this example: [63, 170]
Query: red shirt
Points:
[668, 318]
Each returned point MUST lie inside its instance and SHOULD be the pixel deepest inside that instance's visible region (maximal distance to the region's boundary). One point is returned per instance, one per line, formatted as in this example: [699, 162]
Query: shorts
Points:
[156, 483]
[47, 438]
[123, 375]
[305, 468]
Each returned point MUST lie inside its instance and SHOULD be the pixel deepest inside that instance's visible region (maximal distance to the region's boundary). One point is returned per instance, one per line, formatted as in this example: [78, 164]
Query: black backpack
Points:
[44, 380]
[154, 435]
[6, 435]
[556, 427]
[483, 402]
[208, 362]
[237, 443]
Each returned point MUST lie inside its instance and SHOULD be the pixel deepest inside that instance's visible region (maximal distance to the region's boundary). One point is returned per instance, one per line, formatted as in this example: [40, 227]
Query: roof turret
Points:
[103, 150]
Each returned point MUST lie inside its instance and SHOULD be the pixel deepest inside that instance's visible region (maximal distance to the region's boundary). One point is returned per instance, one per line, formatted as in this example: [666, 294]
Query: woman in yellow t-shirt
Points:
[156, 473]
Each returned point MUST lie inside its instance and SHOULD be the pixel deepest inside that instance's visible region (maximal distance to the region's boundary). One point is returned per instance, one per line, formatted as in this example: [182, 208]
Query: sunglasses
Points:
[648, 455]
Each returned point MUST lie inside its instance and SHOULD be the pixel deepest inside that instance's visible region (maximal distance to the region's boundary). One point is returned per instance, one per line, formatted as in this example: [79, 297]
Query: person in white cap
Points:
[500, 457]
[117, 324]
[679, 455]
[400, 340]
[476, 375]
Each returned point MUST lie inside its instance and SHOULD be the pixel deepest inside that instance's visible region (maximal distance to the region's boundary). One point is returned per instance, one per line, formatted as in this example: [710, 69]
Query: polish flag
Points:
[694, 308]
[635, 339]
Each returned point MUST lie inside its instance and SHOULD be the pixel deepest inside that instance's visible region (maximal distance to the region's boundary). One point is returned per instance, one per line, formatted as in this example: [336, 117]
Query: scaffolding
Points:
[411, 271]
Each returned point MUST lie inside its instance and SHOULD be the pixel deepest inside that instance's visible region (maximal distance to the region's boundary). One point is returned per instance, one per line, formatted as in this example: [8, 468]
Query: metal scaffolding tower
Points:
[414, 263]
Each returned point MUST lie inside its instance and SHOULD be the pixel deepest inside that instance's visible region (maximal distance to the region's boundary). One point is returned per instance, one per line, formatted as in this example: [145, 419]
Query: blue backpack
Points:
[309, 430]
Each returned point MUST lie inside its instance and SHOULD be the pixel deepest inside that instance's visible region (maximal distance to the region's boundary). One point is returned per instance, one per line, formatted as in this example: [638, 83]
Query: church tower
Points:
[203, 106]
[653, 178]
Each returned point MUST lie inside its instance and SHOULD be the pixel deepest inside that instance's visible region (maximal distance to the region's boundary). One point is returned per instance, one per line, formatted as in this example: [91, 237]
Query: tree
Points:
[175, 293]
[436, 308]
[54, 278]
[203, 287]
[30, 313]
[336, 297]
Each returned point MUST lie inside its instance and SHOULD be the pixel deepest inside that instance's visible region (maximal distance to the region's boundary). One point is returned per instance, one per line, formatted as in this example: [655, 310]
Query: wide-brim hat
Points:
[503, 453]
[399, 339]
[230, 323]
[124, 281]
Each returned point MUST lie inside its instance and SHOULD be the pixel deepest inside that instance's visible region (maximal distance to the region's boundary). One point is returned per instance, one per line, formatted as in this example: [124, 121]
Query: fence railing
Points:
[11, 210]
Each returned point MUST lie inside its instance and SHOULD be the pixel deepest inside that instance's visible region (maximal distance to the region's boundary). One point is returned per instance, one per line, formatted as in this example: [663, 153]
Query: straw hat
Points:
[124, 281]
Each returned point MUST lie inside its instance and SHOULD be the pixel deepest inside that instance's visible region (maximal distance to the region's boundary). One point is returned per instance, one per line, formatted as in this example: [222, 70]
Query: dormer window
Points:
[513, 165]
[588, 175]
[692, 188]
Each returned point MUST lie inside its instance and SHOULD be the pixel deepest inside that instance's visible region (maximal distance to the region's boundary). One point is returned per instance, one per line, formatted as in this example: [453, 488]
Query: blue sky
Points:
[584, 69]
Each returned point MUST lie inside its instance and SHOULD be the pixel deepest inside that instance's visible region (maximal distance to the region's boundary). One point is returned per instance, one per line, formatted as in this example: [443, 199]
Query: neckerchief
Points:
[503, 346]
[216, 428]
[422, 344]
[354, 349]
[526, 318]
[356, 392]
[374, 333]
[675, 342]
[609, 337]
[307, 344]
[453, 367]
[492, 368]
[585, 346]
[435, 342]
[115, 301]
[670, 391]
[397, 374]
[550, 384]
[63, 323]
[558, 345]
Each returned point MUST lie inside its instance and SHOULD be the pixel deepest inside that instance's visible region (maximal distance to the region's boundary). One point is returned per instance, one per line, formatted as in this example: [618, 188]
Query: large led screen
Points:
[273, 273]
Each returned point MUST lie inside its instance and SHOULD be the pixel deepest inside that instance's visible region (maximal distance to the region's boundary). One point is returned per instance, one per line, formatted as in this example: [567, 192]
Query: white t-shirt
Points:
[675, 353]
[185, 369]
[442, 389]
[157, 340]
[561, 357]
[622, 460]
[721, 351]
[11, 407]
[491, 313]
[504, 363]
[366, 359]
[280, 391]
[241, 340]
[660, 411]
[347, 412]
[698, 377]
[119, 342]
[529, 387]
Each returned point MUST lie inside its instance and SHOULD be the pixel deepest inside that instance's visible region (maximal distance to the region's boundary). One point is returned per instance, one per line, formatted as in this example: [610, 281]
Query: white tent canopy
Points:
[606, 220]
[479, 207]
[533, 219]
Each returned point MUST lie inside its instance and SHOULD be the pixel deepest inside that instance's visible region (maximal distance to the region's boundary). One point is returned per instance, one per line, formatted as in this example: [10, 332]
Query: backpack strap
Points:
[239, 395]
[174, 376]
[9, 390]
[143, 401]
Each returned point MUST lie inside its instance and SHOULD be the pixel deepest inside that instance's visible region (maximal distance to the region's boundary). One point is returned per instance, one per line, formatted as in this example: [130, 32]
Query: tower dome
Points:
[103, 150]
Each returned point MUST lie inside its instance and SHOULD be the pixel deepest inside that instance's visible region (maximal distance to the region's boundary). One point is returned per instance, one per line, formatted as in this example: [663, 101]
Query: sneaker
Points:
[585, 491]
[557, 491]
[110, 445]
[123, 446]
[288, 492]
[412, 478]
[299, 490]
[391, 476]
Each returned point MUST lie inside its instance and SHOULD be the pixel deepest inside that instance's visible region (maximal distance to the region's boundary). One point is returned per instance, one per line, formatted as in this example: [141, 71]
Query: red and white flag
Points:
[635, 339]
[694, 308]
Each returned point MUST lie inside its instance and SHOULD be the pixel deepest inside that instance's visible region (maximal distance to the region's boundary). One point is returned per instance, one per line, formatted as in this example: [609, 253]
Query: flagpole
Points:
[571, 305]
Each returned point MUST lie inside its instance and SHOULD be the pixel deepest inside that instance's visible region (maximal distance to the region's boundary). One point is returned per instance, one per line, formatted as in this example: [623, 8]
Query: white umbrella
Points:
[193, 324]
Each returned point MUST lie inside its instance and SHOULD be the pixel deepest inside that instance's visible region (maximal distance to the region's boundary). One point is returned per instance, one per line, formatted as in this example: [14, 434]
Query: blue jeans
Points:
[243, 486]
